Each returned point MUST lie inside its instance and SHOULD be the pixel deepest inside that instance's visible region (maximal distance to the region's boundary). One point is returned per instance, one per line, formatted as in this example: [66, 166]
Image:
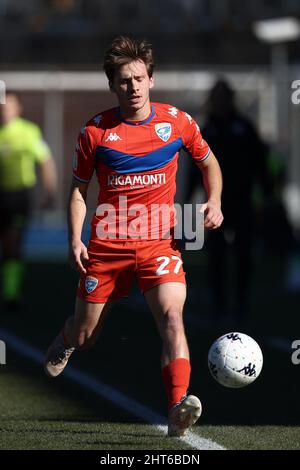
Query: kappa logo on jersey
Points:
[113, 137]
[163, 130]
[97, 119]
[189, 117]
[173, 111]
[90, 284]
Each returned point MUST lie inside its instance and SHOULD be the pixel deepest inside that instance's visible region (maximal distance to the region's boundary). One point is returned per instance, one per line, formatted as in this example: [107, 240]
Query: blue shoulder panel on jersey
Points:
[125, 163]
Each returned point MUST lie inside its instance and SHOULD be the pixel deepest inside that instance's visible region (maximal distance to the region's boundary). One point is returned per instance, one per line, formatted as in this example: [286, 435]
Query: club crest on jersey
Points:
[163, 130]
[90, 284]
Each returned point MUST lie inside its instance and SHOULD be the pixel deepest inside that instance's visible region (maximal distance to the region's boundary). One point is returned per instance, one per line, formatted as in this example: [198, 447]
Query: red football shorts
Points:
[113, 264]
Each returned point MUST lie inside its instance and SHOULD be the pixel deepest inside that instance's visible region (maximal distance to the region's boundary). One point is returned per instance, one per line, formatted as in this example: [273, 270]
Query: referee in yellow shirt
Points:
[22, 148]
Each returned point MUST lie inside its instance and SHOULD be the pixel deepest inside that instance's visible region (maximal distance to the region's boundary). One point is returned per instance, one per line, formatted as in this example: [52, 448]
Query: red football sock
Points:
[176, 377]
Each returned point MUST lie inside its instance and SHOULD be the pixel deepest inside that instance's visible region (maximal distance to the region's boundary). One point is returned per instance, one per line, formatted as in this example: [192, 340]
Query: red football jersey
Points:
[136, 164]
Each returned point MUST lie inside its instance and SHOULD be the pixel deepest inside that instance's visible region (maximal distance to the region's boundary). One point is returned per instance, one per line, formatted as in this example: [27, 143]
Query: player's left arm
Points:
[199, 149]
[212, 181]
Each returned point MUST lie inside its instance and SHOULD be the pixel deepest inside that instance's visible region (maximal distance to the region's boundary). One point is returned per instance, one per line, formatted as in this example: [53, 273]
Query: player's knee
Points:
[173, 321]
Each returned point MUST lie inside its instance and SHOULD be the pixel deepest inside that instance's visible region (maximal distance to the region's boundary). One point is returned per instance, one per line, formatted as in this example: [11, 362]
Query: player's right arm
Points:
[83, 168]
[76, 214]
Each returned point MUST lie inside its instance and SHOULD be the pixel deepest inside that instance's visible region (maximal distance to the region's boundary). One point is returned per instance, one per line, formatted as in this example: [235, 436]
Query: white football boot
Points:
[57, 357]
[183, 415]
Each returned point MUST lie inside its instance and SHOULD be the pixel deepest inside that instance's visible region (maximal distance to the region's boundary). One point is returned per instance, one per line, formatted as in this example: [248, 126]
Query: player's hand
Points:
[213, 216]
[78, 256]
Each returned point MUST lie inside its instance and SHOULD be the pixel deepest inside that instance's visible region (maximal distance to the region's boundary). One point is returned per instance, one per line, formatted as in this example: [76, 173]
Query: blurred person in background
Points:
[243, 157]
[21, 148]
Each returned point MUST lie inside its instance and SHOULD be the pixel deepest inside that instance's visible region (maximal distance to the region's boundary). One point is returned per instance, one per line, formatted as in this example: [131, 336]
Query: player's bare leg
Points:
[166, 302]
[81, 331]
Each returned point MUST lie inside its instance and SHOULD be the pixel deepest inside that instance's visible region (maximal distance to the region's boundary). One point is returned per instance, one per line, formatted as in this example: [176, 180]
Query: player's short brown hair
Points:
[124, 50]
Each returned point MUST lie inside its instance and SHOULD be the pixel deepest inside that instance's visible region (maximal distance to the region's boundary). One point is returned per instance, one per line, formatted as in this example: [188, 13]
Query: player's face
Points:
[132, 85]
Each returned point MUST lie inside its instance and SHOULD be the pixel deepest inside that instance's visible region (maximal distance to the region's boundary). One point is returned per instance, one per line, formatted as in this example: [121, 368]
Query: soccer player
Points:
[134, 150]
[21, 148]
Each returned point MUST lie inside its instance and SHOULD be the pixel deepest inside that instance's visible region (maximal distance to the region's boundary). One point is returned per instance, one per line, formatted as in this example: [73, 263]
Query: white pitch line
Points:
[108, 393]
